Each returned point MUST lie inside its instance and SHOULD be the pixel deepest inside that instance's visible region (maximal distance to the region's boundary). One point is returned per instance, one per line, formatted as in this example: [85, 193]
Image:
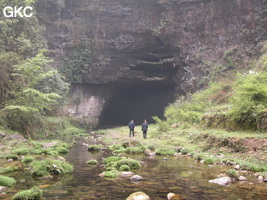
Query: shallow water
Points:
[179, 175]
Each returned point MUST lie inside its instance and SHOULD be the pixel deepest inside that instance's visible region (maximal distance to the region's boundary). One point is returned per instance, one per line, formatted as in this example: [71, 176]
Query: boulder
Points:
[2, 135]
[50, 144]
[150, 153]
[242, 178]
[172, 196]
[237, 167]
[221, 181]
[2, 188]
[136, 178]
[126, 174]
[138, 196]
[16, 137]
[260, 178]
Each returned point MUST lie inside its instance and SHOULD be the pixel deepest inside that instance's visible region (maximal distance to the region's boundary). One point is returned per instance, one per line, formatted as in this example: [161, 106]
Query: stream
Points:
[180, 175]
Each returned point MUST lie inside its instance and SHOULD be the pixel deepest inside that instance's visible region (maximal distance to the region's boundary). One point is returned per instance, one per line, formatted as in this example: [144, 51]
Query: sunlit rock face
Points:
[176, 43]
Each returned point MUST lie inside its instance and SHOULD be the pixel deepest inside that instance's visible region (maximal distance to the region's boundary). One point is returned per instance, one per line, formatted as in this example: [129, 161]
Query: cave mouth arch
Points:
[137, 101]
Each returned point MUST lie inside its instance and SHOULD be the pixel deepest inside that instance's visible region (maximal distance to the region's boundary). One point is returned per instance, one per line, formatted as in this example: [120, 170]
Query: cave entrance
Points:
[136, 101]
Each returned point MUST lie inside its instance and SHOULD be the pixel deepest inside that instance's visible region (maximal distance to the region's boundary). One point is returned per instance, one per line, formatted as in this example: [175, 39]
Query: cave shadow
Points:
[137, 101]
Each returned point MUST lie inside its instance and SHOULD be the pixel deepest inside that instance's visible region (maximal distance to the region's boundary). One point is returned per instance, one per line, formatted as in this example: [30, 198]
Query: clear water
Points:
[179, 175]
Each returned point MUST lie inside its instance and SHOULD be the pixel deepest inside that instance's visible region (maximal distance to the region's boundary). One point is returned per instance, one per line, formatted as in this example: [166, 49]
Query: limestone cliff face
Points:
[157, 40]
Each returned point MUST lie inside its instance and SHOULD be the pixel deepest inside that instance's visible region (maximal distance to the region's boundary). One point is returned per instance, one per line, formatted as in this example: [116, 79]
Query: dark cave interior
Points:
[137, 101]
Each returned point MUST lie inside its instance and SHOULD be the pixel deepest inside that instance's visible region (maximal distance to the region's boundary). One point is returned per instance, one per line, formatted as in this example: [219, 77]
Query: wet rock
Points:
[16, 136]
[50, 144]
[172, 196]
[2, 188]
[242, 178]
[260, 178]
[136, 178]
[150, 153]
[221, 181]
[102, 174]
[126, 174]
[237, 167]
[138, 196]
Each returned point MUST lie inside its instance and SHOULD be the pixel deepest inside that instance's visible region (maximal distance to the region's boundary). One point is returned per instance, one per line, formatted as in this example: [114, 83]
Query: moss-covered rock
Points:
[50, 167]
[111, 174]
[94, 147]
[13, 157]
[131, 163]
[62, 150]
[91, 162]
[7, 181]
[124, 168]
[165, 151]
[111, 159]
[135, 150]
[34, 193]
[27, 159]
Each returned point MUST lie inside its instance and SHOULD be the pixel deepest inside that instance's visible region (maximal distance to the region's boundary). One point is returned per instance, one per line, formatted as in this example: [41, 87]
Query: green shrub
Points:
[131, 163]
[62, 150]
[122, 150]
[184, 151]
[94, 147]
[165, 151]
[249, 99]
[124, 168]
[112, 159]
[14, 157]
[209, 161]
[36, 151]
[115, 147]
[111, 174]
[134, 150]
[34, 193]
[21, 151]
[28, 159]
[7, 181]
[49, 166]
[91, 162]
[6, 170]
[231, 172]
[151, 147]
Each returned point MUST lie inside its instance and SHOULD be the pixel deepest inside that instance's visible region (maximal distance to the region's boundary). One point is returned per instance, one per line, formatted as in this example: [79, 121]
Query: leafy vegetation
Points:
[77, 64]
[92, 162]
[50, 167]
[7, 181]
[34, 193]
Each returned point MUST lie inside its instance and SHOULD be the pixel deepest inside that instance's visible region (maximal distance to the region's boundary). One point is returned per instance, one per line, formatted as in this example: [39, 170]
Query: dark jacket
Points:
[144, 126]
[131, 125]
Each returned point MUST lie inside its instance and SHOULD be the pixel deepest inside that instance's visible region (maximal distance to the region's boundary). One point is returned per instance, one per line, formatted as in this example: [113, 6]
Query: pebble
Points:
[242, 178]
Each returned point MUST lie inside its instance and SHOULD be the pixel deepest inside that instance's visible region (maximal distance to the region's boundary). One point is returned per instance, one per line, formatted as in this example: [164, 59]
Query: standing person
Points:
[131, 126]
[144, 128]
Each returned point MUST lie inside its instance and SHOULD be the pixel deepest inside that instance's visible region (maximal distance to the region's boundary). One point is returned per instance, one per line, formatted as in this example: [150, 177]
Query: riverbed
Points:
[162, 174]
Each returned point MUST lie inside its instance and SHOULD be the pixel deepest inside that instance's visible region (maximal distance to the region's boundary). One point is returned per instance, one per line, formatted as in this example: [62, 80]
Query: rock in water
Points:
[242, 178]
[136, 178]
[221, 181]
[138, 196]
[172, 196]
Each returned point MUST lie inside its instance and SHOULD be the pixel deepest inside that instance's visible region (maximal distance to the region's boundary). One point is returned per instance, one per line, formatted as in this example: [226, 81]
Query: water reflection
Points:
[180, 175]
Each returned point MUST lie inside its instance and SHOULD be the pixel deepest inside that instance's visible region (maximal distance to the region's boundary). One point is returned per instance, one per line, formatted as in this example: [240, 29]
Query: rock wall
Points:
[156, 40]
